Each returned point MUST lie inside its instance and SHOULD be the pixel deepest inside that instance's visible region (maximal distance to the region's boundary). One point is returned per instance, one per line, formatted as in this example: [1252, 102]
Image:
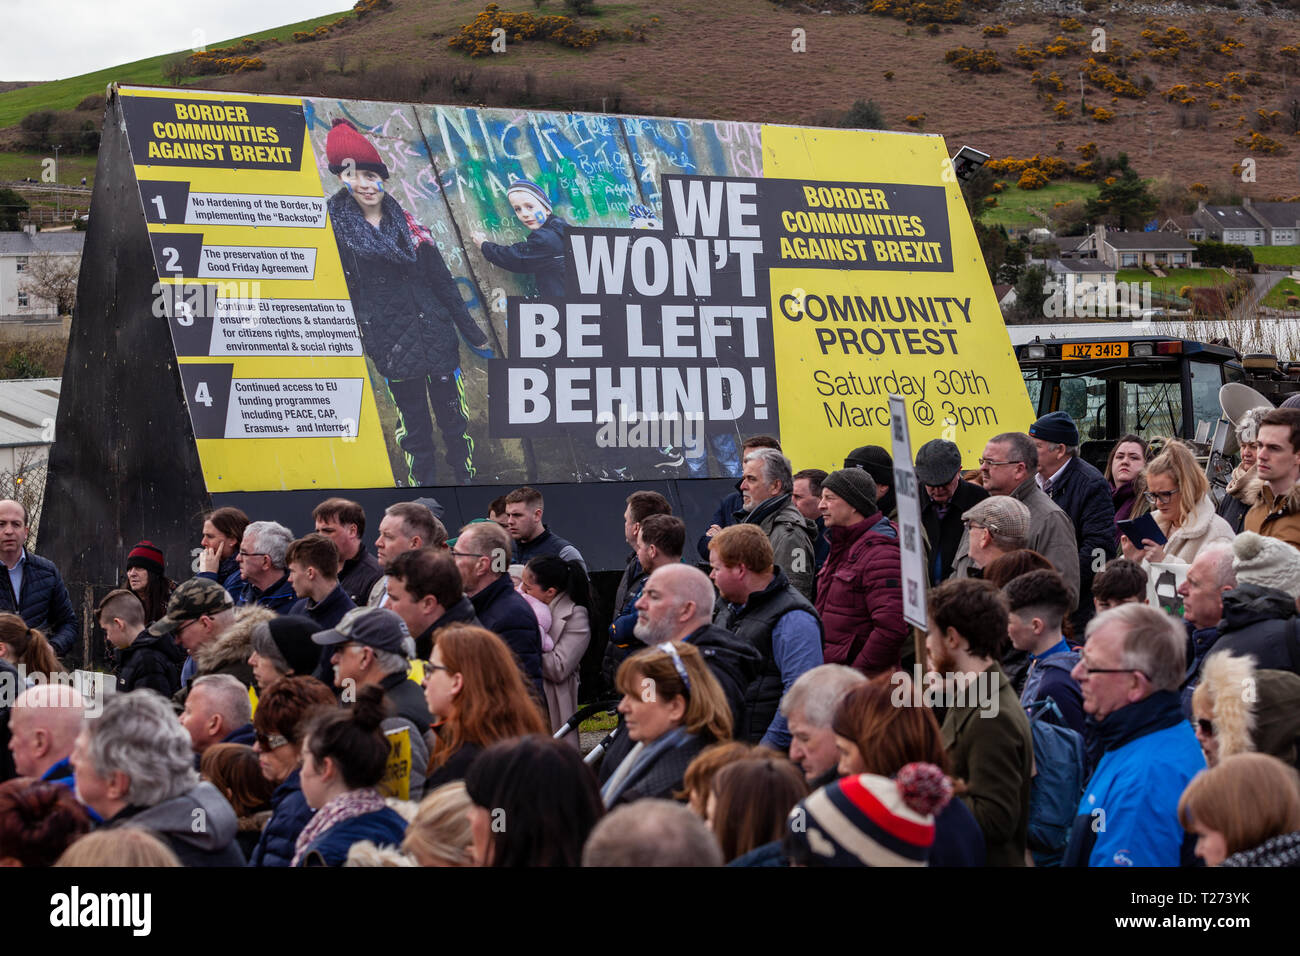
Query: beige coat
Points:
[1202, 527]
[571, 632]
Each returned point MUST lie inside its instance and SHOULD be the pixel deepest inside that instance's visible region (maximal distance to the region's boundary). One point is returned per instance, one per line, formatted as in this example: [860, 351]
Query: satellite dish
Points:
[1237, 399]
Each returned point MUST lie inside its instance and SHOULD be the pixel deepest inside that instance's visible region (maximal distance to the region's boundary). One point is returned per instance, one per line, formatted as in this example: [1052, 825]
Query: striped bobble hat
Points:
[869, 820]
[146, 555]
[530, 187]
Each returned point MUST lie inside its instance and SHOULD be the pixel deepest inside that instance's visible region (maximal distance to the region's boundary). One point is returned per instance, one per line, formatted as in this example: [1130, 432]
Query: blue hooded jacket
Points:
[1129, 812]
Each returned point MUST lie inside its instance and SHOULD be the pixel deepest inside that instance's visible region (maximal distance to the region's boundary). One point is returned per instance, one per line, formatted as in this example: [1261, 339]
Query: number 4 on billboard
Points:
[201, 395]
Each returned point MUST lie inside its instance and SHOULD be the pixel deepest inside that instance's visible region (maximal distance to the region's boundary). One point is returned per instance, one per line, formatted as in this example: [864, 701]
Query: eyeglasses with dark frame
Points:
[1112, 670]
[990, 462]
[1164, 497]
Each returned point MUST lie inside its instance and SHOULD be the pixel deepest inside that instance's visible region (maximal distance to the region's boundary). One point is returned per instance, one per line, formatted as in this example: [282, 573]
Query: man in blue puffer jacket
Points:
[33, 588]
[1129, 675]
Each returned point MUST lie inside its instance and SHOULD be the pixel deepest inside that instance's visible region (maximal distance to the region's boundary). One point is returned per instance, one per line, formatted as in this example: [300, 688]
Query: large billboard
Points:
[367, 295]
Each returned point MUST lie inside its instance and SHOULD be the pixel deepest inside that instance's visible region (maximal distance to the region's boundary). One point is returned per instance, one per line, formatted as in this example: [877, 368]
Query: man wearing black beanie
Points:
[879, 464]
[859, 589]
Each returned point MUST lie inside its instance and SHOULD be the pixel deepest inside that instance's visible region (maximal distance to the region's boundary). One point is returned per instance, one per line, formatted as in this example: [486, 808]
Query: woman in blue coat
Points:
[344, 756]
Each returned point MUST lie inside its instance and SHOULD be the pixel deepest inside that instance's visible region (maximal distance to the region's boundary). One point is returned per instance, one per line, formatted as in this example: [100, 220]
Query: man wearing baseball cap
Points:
[860, 587]
[198, 612]
[947, 497]
[370, 645]
[1082, 492]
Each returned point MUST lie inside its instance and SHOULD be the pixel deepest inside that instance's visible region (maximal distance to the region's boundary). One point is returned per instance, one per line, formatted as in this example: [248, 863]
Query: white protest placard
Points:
[907, 495]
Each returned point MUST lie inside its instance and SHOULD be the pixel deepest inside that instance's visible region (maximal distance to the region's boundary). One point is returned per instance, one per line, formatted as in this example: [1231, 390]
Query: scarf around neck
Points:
[397, 238]
[346, 806]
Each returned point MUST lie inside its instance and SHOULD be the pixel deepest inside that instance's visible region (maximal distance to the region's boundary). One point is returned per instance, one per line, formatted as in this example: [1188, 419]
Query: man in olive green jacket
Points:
[985, 730]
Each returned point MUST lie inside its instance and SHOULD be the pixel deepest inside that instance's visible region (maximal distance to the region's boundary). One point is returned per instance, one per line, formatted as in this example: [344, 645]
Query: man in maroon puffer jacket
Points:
[859, 589]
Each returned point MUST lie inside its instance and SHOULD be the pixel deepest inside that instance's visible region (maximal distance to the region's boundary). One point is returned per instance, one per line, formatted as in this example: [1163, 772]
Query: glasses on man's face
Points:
[251, 554]
[989, 462]
[467, 554]
[1090, 670]
[1164, 497]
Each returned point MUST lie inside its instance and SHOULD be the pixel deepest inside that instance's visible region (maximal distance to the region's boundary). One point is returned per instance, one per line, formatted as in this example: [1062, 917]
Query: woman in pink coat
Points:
[562, 586]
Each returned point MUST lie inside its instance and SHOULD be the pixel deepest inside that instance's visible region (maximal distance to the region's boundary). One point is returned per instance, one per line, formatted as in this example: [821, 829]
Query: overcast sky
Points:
[53, 39]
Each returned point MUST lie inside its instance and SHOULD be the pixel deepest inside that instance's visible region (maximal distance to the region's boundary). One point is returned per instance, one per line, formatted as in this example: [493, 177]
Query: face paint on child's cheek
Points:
[539, 217]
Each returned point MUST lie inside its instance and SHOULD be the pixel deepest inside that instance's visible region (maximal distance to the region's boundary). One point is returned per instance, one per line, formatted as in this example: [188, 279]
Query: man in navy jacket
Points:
[482, 555]
[1083, 493]
[33, 588]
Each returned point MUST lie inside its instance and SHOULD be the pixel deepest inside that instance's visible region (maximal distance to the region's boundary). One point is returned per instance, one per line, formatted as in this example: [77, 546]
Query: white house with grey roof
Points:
[1133, 250]
[1230, 224]
[1281, 221]
[16, 252]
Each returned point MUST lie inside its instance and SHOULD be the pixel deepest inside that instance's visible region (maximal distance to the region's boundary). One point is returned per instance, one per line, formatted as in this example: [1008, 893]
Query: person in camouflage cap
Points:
[198, 612]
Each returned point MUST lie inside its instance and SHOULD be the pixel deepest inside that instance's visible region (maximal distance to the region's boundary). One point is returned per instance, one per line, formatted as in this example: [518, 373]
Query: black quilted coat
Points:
[407, 311]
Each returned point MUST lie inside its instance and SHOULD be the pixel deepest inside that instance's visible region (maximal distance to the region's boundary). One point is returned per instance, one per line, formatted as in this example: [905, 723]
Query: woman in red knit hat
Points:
[407, 307]
[147, 579]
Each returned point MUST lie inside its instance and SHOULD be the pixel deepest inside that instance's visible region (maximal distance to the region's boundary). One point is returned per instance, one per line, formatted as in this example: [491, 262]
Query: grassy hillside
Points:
[1188, 95]
[66, 94]
[1018, 208]
[15, 167]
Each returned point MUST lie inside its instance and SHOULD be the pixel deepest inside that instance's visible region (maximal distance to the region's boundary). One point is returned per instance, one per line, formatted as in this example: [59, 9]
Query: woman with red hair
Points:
[474, 686]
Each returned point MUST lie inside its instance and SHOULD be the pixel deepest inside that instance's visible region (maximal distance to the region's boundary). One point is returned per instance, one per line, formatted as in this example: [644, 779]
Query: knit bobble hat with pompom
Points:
[869, 820]
[1266, 562]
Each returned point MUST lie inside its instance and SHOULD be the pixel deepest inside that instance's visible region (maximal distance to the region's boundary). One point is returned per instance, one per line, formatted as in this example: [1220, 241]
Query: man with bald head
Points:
[1209, 577]
[43, 726]
[677, 605]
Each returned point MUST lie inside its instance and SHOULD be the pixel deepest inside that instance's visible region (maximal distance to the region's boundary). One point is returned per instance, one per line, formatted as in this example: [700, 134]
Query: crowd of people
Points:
[1110, 676]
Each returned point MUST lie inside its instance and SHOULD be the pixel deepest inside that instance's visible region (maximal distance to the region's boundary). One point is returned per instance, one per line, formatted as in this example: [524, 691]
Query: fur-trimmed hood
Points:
[1253, 710]
[1228, 685]
[1254, 493]
[235, 645]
